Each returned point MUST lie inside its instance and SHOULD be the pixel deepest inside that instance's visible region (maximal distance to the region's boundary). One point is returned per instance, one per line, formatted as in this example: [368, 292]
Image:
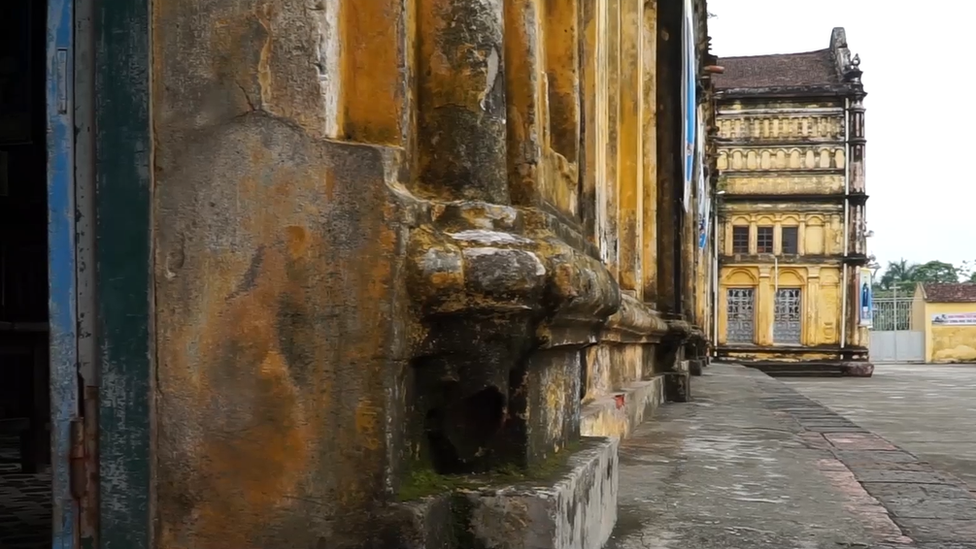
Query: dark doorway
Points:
[25, 480]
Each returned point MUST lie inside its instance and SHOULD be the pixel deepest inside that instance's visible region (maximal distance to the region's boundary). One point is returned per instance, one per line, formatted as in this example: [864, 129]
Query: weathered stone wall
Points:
[399, 240]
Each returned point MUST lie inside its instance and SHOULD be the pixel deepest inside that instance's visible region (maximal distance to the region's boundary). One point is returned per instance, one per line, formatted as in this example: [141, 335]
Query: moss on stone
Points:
[422, 483]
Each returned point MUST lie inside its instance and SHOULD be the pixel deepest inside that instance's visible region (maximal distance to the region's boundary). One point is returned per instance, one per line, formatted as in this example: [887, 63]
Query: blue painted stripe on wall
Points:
[61, 264]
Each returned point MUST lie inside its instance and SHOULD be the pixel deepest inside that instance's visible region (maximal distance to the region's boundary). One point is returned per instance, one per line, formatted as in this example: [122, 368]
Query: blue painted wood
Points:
[61, 265]
[123, 259]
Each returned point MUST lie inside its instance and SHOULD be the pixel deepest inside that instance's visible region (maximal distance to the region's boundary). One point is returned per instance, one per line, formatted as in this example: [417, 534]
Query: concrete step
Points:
[813, 369]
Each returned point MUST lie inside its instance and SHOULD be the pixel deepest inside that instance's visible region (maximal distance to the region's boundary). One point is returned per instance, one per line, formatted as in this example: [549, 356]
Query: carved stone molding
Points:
[493, 288]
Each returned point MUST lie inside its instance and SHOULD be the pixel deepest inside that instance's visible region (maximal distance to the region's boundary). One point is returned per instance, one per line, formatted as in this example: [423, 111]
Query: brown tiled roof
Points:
[813, 68]
[950, 293]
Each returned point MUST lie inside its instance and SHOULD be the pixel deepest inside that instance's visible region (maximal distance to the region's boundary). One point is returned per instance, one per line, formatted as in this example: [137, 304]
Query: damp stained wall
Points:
[374, 218]
[280, 339]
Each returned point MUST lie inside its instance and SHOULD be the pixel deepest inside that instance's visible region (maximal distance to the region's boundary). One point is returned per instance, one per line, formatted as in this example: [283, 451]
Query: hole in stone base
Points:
[442, 454]
[461, 434]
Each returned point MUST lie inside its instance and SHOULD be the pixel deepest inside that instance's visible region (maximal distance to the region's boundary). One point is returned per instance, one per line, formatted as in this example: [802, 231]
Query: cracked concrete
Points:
[751, 463]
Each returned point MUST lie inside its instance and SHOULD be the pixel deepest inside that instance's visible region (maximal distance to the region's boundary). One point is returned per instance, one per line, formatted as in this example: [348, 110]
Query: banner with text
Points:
[954, 319]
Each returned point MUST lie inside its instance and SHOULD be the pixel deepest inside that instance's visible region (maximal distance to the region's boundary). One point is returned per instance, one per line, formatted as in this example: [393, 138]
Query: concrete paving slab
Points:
[924, 501]
[748, 465]
[921, 476]
[868, 458]
[727, 471]
[936, 533]
[929, 410]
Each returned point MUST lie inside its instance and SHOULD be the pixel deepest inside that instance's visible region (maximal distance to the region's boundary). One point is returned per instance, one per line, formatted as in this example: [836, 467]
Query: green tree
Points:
[899, 273]
[936, 271]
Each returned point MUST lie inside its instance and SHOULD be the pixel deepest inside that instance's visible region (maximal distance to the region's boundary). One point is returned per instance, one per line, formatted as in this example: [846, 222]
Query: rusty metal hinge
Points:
[78, 469]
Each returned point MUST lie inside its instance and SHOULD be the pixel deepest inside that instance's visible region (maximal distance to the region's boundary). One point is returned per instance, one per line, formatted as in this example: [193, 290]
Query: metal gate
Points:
[741, 323]
[787, 316]
[894, 338]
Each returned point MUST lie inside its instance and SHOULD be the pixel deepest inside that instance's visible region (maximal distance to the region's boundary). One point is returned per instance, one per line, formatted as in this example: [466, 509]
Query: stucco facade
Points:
[947, 314]
[791, 209]
[395, 242]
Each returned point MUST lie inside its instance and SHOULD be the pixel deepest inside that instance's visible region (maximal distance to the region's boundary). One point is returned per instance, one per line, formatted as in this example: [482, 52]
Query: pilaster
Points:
[811, 313]
[753, 238]
[764, 307]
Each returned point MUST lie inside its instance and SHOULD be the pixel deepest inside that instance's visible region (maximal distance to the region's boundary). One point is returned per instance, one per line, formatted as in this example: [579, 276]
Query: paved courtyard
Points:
[929, 410]
[756, 463]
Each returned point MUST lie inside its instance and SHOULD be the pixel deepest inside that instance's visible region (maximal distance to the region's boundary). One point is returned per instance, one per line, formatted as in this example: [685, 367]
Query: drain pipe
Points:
[847, 190]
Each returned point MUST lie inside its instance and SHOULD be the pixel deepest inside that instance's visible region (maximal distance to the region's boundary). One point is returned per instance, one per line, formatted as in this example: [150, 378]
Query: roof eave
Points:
[836, 90]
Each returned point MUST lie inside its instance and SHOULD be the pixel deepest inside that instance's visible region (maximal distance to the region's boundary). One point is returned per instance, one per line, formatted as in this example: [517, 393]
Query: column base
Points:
[574, 509]
[620, 412]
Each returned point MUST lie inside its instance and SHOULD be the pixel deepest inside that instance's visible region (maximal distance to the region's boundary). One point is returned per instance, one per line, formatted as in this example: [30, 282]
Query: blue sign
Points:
[865, 299]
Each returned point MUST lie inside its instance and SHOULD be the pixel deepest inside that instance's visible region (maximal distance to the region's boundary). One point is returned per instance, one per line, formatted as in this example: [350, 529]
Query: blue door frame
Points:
[111, 102]
[61, 266]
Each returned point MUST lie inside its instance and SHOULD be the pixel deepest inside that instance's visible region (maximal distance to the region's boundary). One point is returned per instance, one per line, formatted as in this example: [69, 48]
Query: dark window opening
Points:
[764, 240]
[25, 478]
[740, 240]
[790, 240]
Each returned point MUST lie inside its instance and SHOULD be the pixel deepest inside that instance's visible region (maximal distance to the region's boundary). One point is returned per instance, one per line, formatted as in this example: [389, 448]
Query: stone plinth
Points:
[575, 508]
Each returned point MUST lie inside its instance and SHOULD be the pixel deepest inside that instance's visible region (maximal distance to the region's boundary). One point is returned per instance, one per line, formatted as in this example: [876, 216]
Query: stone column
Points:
[753, 235]
[649, 156]
[857, 142]
[765, 306]
[630, 170]
[462, 135]
[801, 236]
[811, 314]
[724, 240]
[778, 238]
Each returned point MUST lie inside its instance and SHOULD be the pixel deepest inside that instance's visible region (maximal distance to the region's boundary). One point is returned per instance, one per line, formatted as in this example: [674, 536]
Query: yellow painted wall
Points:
[821, 297]
[776, 147]
[820, 232]
[947, 344]
[918, 310]
[782, 146]
[783, 183]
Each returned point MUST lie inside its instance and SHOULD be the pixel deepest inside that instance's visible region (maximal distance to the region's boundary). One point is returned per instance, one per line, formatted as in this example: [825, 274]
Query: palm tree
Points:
[899, 273]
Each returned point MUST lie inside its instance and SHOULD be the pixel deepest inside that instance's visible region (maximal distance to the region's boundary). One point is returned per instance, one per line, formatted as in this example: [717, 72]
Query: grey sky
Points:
[921, 207]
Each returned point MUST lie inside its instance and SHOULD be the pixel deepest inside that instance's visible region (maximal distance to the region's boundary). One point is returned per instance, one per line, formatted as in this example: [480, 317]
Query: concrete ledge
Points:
[858, 369]
[424, 524]
[813, 369]
[619, 413]
[576, 508]
[576, 511]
